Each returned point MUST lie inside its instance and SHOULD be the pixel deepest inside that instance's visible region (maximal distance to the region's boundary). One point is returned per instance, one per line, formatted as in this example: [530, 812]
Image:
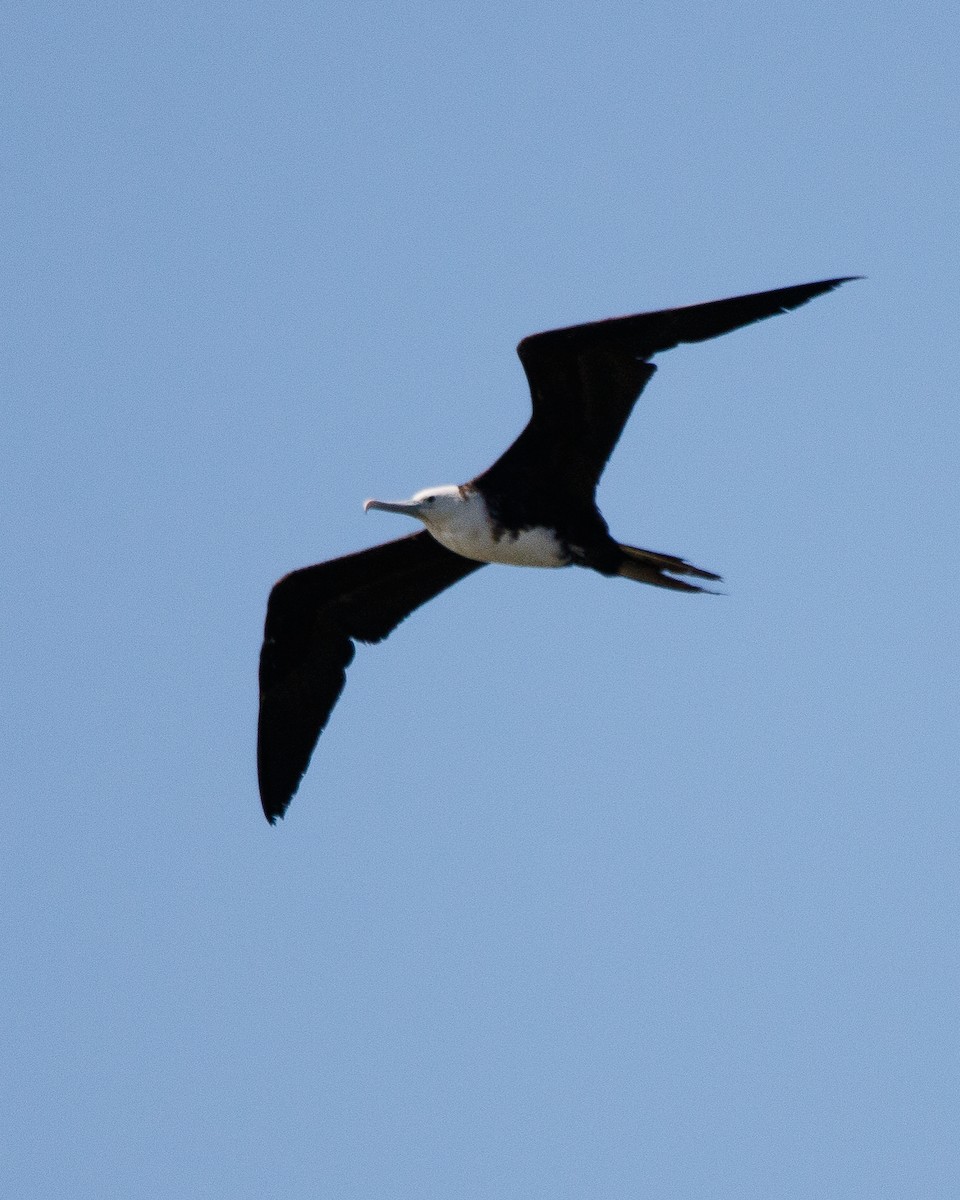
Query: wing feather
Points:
[585, 379]
[314, 616]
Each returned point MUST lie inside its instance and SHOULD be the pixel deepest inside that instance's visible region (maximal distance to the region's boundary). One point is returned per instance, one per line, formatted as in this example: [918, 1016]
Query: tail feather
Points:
[647, 566]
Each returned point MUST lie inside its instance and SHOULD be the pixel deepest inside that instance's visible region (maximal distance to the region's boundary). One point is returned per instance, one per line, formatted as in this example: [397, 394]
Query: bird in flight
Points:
[534, 507]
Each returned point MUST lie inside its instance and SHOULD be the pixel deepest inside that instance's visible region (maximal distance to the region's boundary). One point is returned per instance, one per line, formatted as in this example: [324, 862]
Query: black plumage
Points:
[313, 617]
[584, 381]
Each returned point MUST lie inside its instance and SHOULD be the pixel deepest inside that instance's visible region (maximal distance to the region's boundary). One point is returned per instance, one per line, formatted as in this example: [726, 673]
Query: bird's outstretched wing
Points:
[313, 617]
[585, 379]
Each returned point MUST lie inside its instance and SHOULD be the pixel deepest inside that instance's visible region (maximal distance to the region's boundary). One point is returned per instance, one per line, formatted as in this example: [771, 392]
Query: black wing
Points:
[313, 617]
[585, 379]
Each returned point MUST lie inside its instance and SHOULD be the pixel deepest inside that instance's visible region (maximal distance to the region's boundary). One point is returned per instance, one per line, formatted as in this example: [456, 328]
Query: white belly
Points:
[529, 548]
[458, 518]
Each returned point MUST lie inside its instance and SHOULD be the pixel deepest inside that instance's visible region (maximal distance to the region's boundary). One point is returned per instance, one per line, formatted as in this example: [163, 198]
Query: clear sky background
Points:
[591, 889]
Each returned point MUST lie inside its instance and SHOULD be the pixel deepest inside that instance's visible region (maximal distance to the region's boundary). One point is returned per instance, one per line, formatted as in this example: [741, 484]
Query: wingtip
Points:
[274, 806]
[275, 812]
[820, 286]
[828, 285]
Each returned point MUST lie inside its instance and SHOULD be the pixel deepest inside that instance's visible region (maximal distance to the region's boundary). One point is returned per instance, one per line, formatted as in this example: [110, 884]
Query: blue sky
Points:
[591, 889]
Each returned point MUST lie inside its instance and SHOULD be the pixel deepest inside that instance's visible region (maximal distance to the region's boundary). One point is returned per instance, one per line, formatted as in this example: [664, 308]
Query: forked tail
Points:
[646, 566]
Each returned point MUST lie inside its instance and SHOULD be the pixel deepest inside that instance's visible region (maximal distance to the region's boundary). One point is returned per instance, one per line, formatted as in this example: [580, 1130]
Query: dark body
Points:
[584, 381]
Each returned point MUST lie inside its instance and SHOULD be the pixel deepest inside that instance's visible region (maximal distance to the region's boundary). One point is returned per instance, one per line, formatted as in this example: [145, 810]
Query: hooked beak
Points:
[409, 508]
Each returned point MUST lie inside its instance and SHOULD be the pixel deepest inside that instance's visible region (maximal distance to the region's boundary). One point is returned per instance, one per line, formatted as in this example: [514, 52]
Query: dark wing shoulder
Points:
[585, 379]
[314, 615]
[645, 334]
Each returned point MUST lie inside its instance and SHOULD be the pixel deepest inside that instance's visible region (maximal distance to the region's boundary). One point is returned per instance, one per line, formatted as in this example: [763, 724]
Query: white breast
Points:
[468, 530]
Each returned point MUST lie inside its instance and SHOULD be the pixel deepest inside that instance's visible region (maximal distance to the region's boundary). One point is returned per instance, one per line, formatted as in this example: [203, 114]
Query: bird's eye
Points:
[429, 499]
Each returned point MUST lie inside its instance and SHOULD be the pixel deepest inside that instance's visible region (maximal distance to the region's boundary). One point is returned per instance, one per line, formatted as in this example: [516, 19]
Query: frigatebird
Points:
[534, 507]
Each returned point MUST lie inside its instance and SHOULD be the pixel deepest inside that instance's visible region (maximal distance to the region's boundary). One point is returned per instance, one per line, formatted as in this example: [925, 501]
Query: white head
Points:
[458, 518]
[439, 508]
